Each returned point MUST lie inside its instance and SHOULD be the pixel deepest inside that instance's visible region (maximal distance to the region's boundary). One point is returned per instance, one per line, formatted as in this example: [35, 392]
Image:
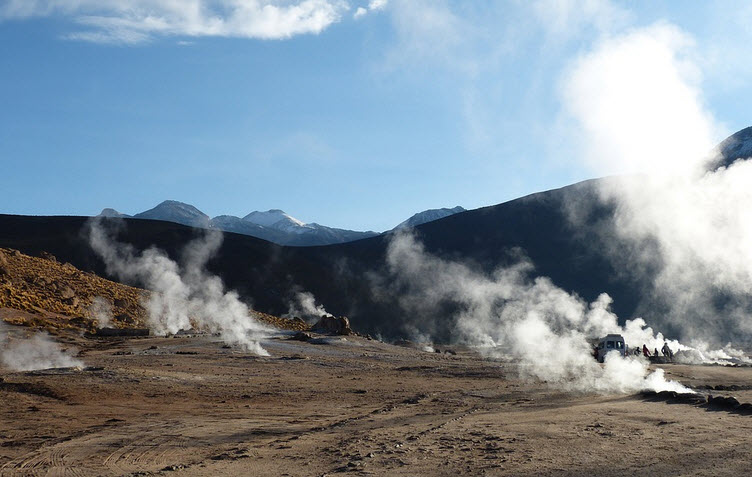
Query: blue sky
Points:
[352, 114]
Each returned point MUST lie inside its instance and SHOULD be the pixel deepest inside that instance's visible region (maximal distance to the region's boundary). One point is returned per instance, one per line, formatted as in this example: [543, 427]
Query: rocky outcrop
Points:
[330, 324]
[4, 270]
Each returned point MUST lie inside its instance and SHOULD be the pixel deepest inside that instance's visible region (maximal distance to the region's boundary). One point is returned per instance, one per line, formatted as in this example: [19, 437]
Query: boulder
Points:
[330, 324]
[48, 256]
[666, 395]
[302, 336]
[67, 293]
[723, 402]
[689, 398]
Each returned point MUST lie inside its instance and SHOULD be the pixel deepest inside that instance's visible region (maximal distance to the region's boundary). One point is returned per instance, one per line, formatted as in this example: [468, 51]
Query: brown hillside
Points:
[40, 292]
[55, 295]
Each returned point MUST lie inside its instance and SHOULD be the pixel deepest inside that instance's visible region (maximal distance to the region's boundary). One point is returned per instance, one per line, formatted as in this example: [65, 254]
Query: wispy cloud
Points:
[373, 5]
[138, 21]
[566, 18]
[432, 34]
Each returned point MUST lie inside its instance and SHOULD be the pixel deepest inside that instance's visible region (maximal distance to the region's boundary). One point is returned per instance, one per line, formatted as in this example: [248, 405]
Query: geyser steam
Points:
[184, 294]
[637, 106]
[304, 306]
[37, 352]
[101, 310]
[532, 321]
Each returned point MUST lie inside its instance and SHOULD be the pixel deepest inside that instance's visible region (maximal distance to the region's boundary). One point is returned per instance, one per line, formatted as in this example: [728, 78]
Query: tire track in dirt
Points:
[378, 430]
[125, 450]
[48, 461]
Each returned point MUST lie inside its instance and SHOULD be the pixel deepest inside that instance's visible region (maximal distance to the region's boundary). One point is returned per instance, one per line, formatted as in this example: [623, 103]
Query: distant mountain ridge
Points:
[273, 225]
[353, 279]
[429, 216]
[178, 212]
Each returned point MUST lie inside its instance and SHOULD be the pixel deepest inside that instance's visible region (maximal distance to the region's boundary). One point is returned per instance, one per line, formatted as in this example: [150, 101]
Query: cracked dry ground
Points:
[188, 406]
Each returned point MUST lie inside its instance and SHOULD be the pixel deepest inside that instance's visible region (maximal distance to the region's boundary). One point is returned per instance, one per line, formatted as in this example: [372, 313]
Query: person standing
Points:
[667, 351]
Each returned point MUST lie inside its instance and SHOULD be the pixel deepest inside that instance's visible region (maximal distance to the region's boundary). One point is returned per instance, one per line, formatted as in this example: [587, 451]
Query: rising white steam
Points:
[304, 306]
[637, 104]
[37, 352]
[184, 295]
[639, 108]
[101, 311]
[532, 321]
[423, 340]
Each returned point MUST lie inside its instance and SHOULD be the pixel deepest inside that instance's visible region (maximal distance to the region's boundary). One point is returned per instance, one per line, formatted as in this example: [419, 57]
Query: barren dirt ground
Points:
[188, 406]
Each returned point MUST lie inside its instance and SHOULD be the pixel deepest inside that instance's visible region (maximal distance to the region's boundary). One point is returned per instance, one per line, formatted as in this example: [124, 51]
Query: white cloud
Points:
[373, 5]
[377, 4]
[568, 17]
[435, 34]
[136, 21]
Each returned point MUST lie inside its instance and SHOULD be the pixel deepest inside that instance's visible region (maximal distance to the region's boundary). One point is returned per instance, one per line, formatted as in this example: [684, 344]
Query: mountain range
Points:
[273, 225]
[348, 278]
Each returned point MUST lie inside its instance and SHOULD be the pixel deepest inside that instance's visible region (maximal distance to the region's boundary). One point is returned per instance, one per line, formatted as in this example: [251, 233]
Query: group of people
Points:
[667, 353]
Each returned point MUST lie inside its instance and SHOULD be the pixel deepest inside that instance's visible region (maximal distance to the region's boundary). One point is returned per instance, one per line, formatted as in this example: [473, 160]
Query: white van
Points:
[610, 343]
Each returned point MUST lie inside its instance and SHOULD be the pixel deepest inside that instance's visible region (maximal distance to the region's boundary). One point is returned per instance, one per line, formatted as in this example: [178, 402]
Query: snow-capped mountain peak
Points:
[274, 225]
[276, 219]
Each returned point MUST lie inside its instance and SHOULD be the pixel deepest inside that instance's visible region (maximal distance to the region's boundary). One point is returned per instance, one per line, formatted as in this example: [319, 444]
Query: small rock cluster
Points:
[720, 403]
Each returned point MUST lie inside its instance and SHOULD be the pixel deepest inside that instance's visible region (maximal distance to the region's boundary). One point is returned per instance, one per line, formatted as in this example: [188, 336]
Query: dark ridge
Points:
[735, 147]
[565, 233]
[267, 276]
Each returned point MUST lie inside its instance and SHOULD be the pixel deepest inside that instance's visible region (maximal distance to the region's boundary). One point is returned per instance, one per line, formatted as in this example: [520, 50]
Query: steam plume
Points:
[639, 108]
[183, 293]
[37, 352]
[101, 310]
[532, 321]
[304, 306]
